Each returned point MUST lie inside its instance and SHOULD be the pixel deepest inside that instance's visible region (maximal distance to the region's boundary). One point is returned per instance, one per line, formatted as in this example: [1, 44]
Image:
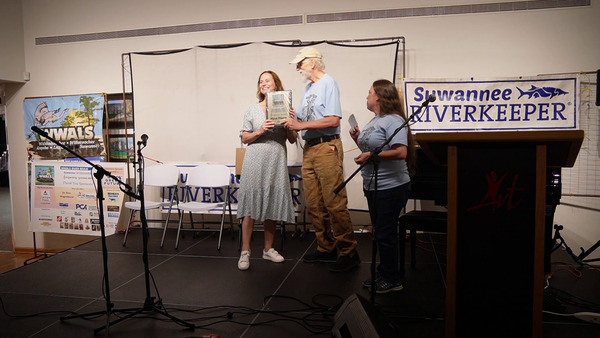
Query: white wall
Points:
[12, 55]
[496, 44]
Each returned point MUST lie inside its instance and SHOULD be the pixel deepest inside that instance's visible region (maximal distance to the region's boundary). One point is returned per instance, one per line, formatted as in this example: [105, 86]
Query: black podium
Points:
[496, 215]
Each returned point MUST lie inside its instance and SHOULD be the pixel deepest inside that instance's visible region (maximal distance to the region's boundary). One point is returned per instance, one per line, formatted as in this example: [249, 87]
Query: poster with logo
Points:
[534, 103]
[74, 121]
[64, 197]
[217, 195]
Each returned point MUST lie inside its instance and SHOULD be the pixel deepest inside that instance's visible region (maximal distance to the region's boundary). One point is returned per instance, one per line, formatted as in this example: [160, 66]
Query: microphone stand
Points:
[99, 174]
[374, 158]
[149, 304]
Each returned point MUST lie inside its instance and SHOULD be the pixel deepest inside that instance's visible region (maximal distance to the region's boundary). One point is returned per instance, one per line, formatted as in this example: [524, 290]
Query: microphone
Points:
[431, 98]
[144, 140]
[39, 131]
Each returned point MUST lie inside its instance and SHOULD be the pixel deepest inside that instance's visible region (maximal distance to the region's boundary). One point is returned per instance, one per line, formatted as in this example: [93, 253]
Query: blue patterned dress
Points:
[264, 191]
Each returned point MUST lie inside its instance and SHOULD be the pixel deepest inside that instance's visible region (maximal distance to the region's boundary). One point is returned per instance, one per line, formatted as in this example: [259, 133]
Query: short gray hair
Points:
[319, 64]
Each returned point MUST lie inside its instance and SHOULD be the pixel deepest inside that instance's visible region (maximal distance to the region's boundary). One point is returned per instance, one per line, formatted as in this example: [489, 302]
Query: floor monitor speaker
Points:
[358, 318]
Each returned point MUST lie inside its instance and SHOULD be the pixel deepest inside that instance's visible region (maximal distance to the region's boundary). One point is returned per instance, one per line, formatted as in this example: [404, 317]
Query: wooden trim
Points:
[539, 246]
[565, 144]
[21, 250]
[452, 237]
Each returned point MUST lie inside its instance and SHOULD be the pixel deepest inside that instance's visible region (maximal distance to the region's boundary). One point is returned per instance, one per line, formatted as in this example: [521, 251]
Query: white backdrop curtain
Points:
[191, 103]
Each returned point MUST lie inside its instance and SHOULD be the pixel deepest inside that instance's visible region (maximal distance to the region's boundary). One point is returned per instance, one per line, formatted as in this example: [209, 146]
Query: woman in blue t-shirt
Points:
[387, 189]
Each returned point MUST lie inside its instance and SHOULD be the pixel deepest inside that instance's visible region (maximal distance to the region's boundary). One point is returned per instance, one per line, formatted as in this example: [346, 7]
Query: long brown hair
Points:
[278, 84]
[390, 102]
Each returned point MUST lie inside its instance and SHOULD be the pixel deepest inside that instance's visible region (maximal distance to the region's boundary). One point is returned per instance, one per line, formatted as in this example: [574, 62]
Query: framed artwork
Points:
[120, 147]
[119, 126]
[117, 115]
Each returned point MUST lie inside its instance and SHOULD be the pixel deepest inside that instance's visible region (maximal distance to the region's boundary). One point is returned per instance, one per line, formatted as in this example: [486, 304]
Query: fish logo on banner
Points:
[536, 92]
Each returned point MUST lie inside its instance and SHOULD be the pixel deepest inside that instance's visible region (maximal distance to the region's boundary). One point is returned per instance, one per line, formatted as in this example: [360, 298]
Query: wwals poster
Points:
[64, 197]
[73, 121]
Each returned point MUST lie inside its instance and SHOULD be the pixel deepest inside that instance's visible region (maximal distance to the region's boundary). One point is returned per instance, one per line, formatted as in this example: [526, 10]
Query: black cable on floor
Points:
[33, 314]
[316, 319]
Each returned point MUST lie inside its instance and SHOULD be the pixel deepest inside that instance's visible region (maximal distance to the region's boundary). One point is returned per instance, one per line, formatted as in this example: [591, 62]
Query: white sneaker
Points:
[273, 256]
[244, 262]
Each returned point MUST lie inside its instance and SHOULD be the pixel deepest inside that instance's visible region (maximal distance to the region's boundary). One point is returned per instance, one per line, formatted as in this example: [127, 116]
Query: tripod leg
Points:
[91, 314]
[120, 319]
[149, 308]
[558, 238]
[584, 254]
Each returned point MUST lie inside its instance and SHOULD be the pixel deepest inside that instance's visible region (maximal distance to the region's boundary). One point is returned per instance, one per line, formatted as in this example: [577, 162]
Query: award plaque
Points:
[278, 105]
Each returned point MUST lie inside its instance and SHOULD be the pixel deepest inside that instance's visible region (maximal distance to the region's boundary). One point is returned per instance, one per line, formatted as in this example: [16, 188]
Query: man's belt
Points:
[317, 140]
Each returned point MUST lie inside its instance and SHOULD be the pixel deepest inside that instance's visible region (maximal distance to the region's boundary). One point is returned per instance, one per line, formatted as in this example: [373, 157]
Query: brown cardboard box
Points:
[239, 159]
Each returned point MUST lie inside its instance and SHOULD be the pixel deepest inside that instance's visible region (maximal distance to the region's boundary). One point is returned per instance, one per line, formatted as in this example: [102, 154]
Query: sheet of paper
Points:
[352, 121]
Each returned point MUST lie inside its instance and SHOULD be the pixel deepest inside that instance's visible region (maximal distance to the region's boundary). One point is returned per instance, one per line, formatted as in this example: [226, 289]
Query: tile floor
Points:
[201, 286]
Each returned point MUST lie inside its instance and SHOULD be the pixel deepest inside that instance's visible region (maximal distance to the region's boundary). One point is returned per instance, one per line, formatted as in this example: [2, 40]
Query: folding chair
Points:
[418, 220]
[213, 176]
[429, 184]
[164, 176]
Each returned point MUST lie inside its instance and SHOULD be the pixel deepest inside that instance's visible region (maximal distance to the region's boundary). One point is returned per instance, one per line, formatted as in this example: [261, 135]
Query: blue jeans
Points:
[384, 209]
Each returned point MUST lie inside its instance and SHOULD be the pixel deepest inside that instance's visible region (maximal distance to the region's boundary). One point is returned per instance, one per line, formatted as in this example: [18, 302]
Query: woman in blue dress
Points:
[264, 194]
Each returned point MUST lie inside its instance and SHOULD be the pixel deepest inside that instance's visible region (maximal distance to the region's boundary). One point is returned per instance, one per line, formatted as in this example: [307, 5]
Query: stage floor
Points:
[203, 287]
